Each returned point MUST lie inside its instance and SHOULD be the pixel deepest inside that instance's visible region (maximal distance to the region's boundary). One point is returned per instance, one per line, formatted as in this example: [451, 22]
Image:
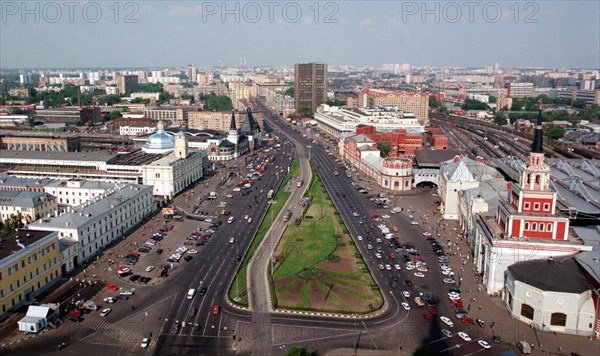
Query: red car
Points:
[432, 310]
[428, 317]
[468, 320]
[168, 227]
[216, 309]
[458, 303]
[75, 313]
[112, 287]
[392, 256]
[134, 254]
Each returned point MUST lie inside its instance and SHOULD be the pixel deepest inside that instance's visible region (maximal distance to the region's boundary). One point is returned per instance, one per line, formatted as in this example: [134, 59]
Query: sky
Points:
[87, 34]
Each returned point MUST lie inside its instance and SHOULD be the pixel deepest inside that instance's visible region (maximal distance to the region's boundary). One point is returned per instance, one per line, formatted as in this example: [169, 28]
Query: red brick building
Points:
[438, 140]
[403, 144]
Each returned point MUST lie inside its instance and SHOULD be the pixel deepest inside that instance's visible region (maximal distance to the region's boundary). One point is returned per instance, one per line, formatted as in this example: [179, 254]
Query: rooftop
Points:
[561, 274]
[23, 198]
[58, 156]
[26, 237]
[426, 157]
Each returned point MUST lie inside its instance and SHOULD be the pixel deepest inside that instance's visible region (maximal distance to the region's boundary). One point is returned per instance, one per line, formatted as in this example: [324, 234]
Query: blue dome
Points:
[159, 142]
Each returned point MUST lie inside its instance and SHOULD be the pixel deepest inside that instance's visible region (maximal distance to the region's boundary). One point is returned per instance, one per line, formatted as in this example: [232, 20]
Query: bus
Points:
[270, 194]
[287, 215]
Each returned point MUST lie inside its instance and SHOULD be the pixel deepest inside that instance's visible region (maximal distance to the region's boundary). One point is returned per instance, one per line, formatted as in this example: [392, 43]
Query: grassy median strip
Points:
[238, 292]
[318, 267]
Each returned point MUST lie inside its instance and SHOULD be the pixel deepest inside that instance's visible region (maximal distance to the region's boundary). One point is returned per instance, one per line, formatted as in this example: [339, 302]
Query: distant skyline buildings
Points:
[167, 34]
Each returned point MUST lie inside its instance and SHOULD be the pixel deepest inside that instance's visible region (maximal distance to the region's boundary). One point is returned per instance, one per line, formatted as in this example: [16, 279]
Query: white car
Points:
[406, 294]
[149, 268]
[192, 251]
[145, 343]
[447, 333]
[385, 216]
[414, 223]
[397, 267]
[445, 267]
[109, 299]
[410, 267]
[229, 196]
[355, 214]
[237, 189]
[427, 233]
[388, 267]
[419, 274]
[484, 344]
[422, 268]
[246, 217]
[231, 240]
[447, 272]
[405, 306]
[360, 238]
[447, 321]
[381, 266]
[463, 335]
[208, 220]
[449, 281]
[369, 247]
[126, 292]
[378, 255]
[105, 311]
[249, 220]
[378, 240]
[454, 295]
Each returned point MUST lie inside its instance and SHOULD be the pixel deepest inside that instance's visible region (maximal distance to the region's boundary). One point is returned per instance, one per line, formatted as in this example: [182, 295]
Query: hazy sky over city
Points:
[76, 34]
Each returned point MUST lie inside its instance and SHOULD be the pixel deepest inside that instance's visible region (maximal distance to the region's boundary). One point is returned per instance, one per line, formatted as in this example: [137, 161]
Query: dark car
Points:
[122, 297]
[238, 258]
[188, 258]
[159, 251]
[408, 282]
[203, 291]
[175, 329]
[76, 319]
[192, 312]
[134, 278]
[143, 250]
[145, 279]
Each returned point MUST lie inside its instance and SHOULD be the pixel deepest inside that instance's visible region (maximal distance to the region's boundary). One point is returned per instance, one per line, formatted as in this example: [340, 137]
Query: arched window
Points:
[558, 319]
[549, 227]
[527, 311]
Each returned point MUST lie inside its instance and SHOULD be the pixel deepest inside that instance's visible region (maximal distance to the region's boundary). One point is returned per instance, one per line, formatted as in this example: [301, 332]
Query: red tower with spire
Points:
[531, 209]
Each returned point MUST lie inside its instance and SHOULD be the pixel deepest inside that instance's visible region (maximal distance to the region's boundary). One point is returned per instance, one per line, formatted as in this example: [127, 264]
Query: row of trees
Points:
[217, 102]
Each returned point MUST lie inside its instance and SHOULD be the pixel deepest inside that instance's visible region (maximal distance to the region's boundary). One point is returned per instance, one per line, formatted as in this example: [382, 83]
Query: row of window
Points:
[12, 288]
[536, 206]
[556, 319]
[538, 226]
[30, 258]
[23, 295]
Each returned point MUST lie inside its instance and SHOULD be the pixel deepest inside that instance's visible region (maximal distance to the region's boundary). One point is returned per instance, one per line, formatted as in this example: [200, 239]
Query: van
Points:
[191, 293]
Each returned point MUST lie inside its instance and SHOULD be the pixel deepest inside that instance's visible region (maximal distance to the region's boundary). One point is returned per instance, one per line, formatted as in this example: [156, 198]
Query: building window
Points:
[558, 319]
[549, 227]
[527, 206]
[541, 227]
[534, 226]
[526, 226]
[527, 311]
[536, 206]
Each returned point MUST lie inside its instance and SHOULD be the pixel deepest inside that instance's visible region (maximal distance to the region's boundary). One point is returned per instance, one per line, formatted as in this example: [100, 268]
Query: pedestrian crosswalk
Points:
[115, 332]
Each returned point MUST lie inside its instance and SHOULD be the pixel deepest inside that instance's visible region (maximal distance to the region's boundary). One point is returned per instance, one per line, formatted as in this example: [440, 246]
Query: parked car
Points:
[105, 311]
[145, 343]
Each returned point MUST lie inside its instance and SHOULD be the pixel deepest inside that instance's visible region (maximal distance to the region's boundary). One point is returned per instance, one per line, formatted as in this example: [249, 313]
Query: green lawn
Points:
[238, 287]
[304, 269]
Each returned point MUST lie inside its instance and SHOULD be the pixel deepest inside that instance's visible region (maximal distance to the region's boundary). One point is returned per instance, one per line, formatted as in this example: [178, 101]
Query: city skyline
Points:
[174, 34]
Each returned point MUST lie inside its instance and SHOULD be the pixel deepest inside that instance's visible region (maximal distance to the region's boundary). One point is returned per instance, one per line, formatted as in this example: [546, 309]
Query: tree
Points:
[500, 117]
[336, 102]
[217, 102]
[432, 102]
[115, 114]
[555, 132]
[289, 91]
[472, 104]
[385, 147]
[298, 351]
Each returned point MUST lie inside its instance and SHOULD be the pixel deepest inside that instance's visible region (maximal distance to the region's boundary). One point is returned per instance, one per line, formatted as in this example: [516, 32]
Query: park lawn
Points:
[238, 287]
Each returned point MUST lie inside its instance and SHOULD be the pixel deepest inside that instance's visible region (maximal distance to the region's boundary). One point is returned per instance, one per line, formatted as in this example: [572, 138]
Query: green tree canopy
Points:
[472, 104]
[115, 114]
[298, 351]
[385, 147]
[432, 102]
[555, 132]
[217, 102]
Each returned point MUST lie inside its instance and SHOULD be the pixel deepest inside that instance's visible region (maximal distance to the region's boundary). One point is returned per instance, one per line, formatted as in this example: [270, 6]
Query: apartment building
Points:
[29, 265]
[29, 205]
[414, 102]
[310, 86]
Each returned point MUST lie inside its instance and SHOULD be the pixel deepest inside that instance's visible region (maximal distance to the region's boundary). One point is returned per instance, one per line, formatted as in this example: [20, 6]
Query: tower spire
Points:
[232, 125]
[537, 146]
